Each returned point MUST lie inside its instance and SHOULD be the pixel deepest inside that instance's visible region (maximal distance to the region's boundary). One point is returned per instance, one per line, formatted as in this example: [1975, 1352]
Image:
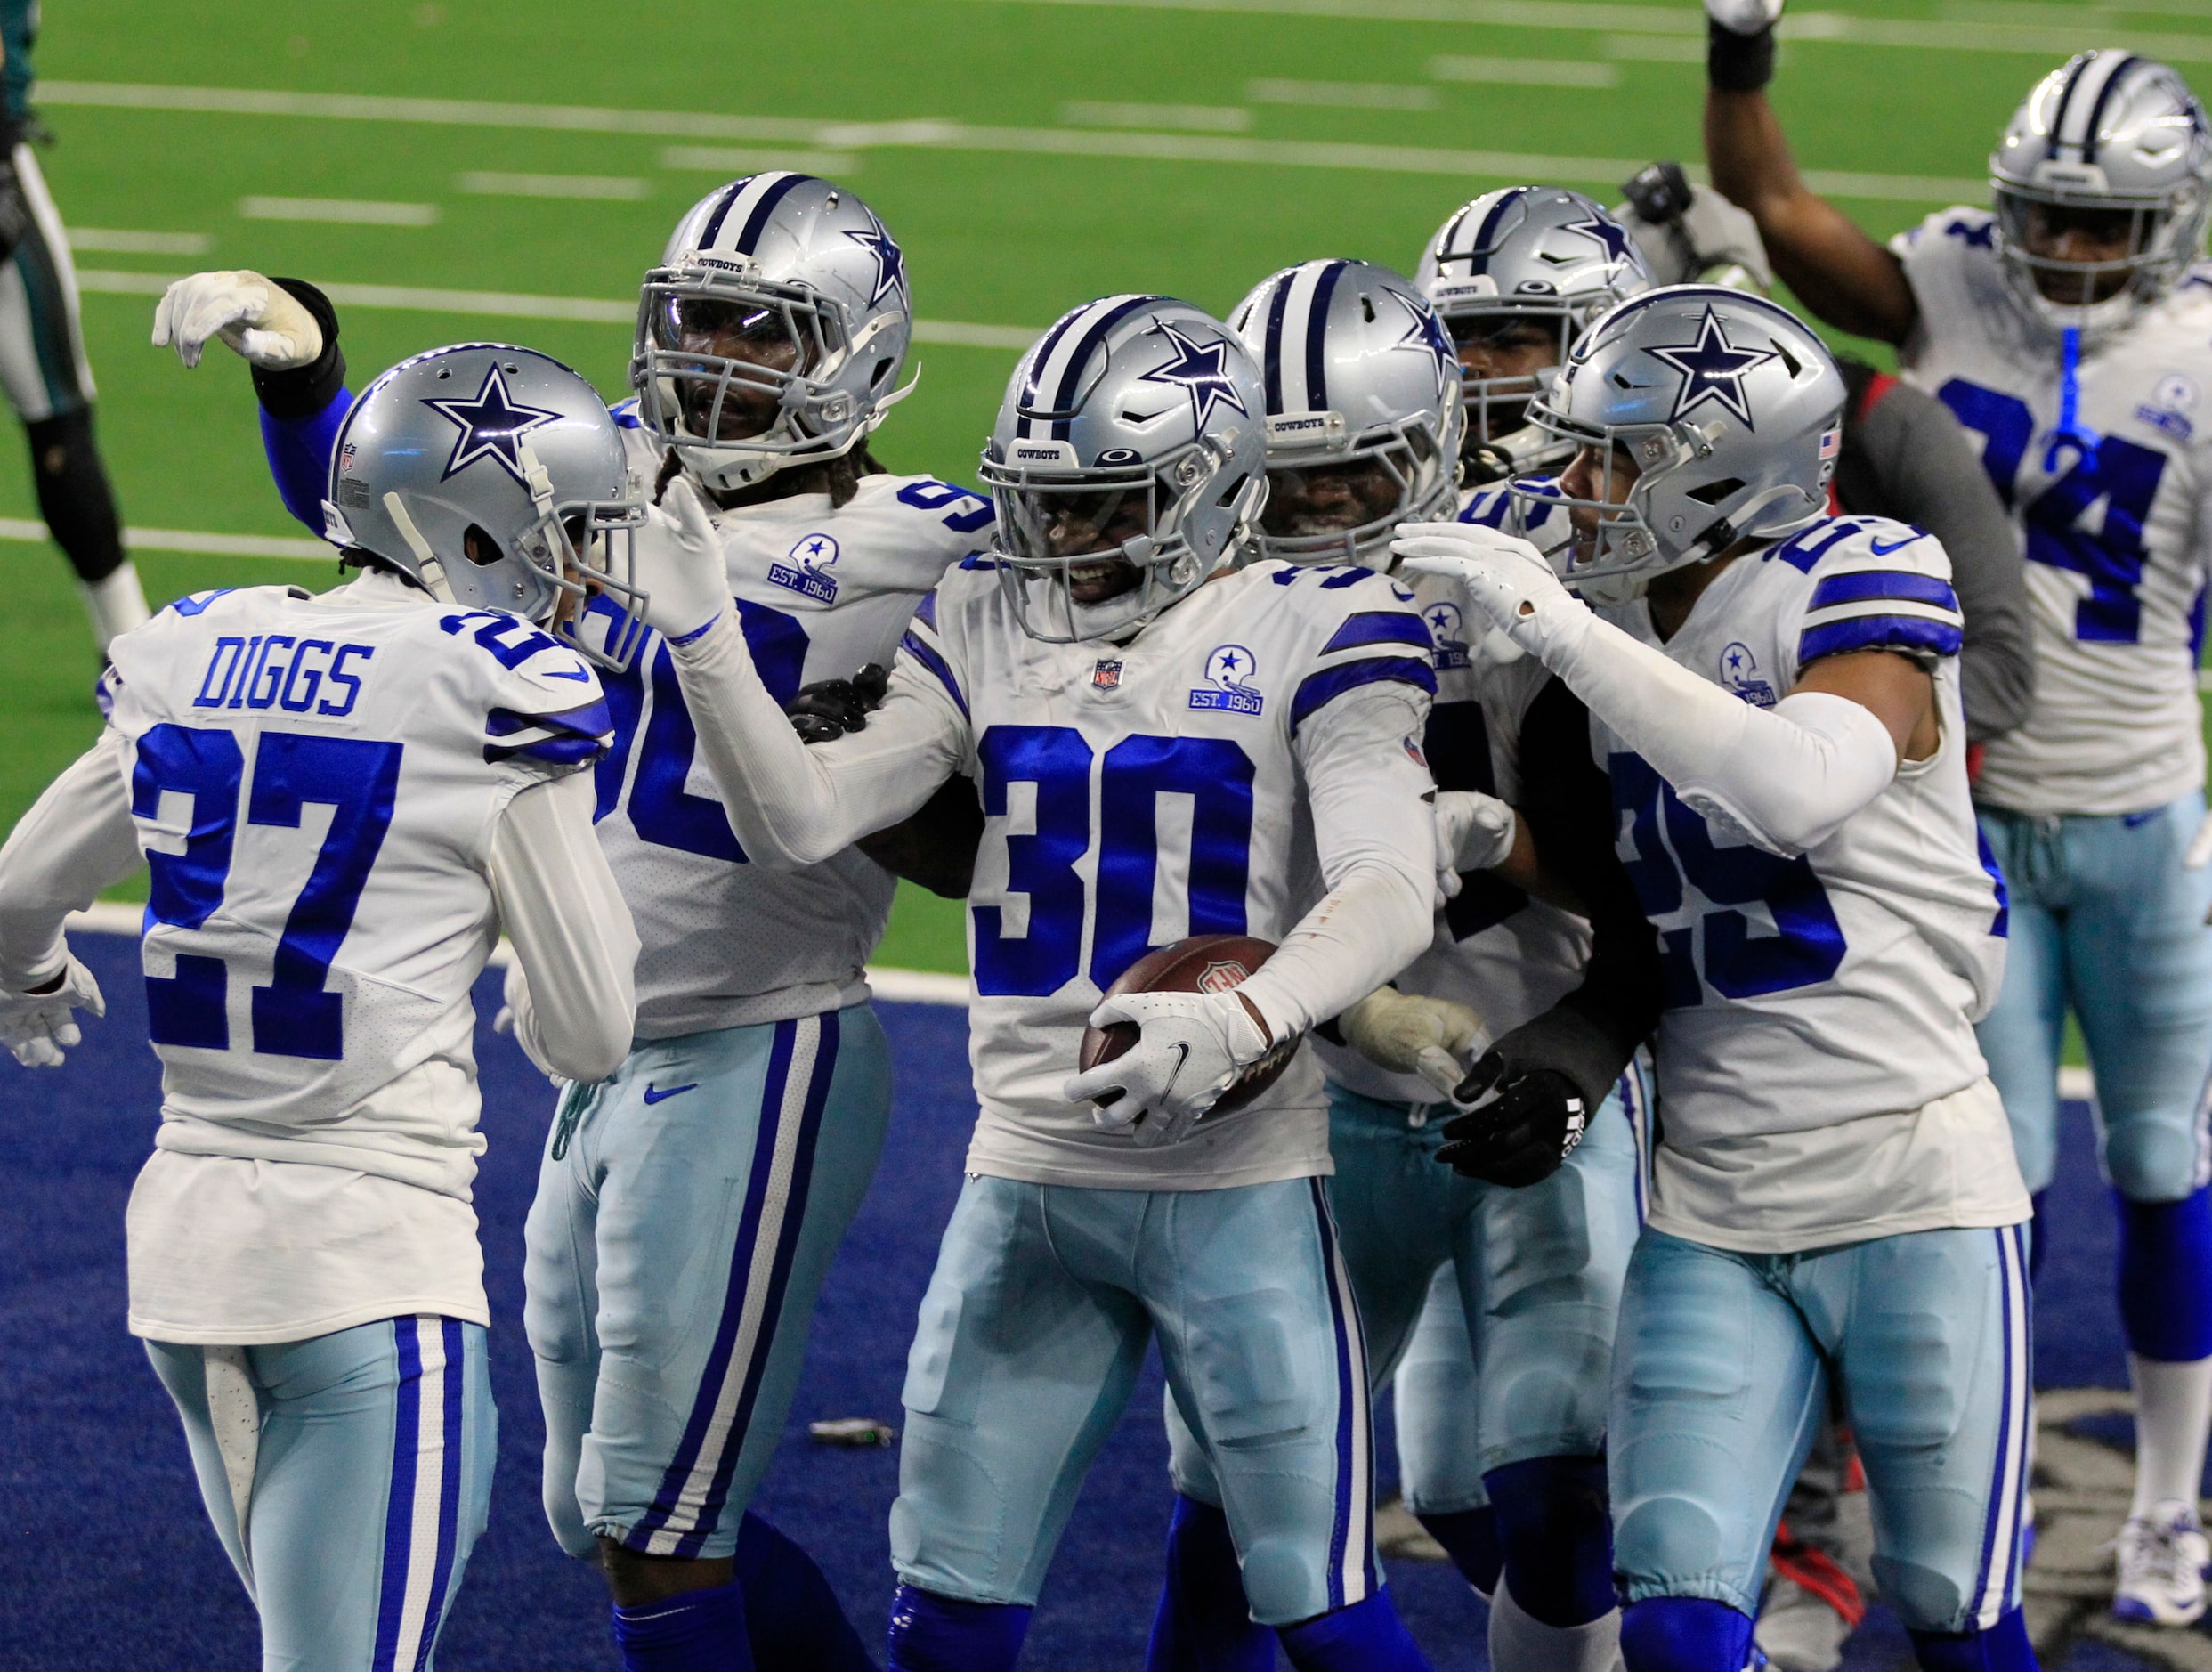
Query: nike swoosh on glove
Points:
[37, 1027]
[1190, 1049]
[680, 564]
[1744, 17]
[257, 318]
[1506, 578]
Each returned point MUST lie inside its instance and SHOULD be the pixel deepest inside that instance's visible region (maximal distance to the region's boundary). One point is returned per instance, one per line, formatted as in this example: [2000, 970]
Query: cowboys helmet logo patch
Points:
[1231, 668]
[492, 426]
[1712, 369]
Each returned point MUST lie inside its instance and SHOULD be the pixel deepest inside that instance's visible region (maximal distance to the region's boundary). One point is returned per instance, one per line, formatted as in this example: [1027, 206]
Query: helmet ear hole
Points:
[479, 547]
[1714, 492]
[882, 374]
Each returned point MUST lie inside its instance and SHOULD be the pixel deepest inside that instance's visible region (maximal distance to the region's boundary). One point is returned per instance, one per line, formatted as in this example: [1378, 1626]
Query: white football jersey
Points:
[1139, 794]
[1812, 992]
[2115, 553]
[820, 592]
[316, 782]
[1505, 956]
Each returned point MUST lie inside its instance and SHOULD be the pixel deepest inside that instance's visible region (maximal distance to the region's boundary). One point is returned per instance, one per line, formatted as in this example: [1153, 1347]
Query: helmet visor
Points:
[722, 361]
[1507, 358]
[2076, 252]
[1345, 509]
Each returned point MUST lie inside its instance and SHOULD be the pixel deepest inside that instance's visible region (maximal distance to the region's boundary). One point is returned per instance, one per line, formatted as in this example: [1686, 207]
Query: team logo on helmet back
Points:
[492, 425]
[1712, 368]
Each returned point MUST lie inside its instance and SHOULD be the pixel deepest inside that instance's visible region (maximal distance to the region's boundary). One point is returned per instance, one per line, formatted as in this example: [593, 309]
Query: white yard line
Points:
[895, 987]
[1207, 119]
[490, 184]
[745, 160]
[180, 539]
[1527, 72]
[846, 137]
[1341, 95]
[348, 211]
[110, 241]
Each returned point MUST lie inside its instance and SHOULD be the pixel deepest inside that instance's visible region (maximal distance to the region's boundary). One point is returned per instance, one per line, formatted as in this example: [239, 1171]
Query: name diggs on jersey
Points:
[277, 670]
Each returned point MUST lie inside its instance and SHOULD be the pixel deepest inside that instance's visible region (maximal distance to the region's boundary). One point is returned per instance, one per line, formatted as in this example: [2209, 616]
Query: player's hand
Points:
[1474, 831]
[37, 1027]
[257, 318]
[680, 564]
[1505, 577]
[1190, 1049]
[828, 708]
[1744, 17]
[1523, 1134]
[517, 1016]
[1409, 1033]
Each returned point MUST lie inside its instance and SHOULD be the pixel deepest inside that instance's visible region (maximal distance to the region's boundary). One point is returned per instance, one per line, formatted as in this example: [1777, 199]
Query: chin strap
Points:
[2069, 432]
[431, 571]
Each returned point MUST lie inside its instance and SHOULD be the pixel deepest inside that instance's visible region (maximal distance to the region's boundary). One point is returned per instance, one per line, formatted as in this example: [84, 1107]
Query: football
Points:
[1202, 963]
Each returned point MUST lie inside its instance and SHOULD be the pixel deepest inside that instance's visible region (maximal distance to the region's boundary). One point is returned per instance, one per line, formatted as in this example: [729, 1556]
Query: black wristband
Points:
[304, 390]
[1737, 63]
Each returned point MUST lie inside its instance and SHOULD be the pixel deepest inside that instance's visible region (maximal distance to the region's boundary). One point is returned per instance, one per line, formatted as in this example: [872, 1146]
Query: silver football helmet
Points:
[495, 478]
[1726, 406]
[773, 331]
[1364, 411]
[1526, 254]
[1131, 438]
[2107, 144]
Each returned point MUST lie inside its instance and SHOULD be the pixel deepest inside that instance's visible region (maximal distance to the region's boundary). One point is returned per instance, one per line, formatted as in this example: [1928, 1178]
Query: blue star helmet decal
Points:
[890, 261]
[1604, 230]
[1712, 368]
[1425, 334]
[490, 427]
[1202, 369]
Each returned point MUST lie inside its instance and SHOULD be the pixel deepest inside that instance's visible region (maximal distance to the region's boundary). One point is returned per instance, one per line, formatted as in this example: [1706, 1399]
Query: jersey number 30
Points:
[357, 780]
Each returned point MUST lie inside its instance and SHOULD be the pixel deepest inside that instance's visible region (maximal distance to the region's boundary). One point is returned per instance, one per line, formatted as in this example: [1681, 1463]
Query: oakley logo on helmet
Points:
[492, 425]
[1712, 368]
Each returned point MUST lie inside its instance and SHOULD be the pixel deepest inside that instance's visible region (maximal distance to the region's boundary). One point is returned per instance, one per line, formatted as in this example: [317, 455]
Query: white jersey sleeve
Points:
[2114, 536]
[76, 839]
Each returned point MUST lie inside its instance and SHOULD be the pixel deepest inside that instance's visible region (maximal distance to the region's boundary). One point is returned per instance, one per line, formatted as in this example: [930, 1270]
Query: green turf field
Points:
[1029, 154]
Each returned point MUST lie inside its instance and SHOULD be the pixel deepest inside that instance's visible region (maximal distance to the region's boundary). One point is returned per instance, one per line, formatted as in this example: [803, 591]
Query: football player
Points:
[2067, 329]
[341, 799]
[689, 1205]
[1517, 276]
[1502, 1406]
[1833, 1191]
[1168, 740]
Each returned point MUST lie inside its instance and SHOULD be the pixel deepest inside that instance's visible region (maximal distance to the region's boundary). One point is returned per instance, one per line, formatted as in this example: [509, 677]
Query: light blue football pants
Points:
[1722, 1375]
[1031, 1335]
[349, 1477]
[2106, 921]
[687, 1212]
[1495, 1308]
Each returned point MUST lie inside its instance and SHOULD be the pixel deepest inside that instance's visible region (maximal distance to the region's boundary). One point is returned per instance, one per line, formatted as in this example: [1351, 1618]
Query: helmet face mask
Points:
[772, 332]
[1126, 467]
[2101, 186]
[1346, 509]
[1508, 359]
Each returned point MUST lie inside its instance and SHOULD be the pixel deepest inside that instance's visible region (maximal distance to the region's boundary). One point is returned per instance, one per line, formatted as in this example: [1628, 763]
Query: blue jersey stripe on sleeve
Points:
[1317, 690]
[1879, 632]
[571, 737]
[1860, 585]
[1379, 627]
[936, 664]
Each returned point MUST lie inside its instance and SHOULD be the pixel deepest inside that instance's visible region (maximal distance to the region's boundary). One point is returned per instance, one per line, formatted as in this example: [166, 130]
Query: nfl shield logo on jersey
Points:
[1106, 674]
[1231, 668]
[805, 571]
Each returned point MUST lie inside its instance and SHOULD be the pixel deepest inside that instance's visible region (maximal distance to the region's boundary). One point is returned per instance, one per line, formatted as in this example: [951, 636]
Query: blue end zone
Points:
[103, 1509]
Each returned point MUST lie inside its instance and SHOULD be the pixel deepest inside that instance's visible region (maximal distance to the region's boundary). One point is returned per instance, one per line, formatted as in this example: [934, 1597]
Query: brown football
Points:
[1203, 963]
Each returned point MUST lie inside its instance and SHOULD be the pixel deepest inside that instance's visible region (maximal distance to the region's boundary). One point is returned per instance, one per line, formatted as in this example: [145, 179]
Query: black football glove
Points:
[828, 708]
[1523, 1134]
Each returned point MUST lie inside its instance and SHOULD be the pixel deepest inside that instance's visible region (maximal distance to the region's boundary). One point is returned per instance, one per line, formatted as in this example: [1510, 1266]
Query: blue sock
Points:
[699, 1631]
[1203, 1623]
[2166, 1277]
[792, 1617]
[942, 1634]
[1684, 1633]
[1555, 1526]
[2039, 1233]
[1470, 1537]
[2003, 1647]
[1367, 1636]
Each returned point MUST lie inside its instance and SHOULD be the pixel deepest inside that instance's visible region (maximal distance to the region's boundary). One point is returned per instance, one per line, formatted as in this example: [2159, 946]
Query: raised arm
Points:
[1835, 269]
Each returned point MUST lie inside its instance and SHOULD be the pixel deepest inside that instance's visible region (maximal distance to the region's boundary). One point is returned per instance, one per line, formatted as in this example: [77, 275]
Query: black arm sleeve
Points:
[305, 390]
[1567, 802]
[1912, 464]
[936, 847]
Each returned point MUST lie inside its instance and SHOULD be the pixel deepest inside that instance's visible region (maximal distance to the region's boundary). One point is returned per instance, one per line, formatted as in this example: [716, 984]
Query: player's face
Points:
[712, 328]
[2084, 237]
[1504, 345]
[1328, 498]
[1587, 478]
[1102, 522]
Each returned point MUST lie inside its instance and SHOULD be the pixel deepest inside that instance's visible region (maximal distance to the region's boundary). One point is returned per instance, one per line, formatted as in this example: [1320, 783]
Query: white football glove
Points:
[1407, 1032]
[37, 1027]
[516, 1017]
[1744, 17]
[1506, 578]
[257, 318]
[680, 564]
[1190, 1049]
[1474, 831]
